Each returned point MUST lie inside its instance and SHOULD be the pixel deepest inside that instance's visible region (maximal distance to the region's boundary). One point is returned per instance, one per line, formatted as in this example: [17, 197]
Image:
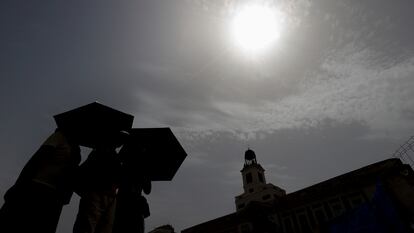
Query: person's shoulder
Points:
[56, 139]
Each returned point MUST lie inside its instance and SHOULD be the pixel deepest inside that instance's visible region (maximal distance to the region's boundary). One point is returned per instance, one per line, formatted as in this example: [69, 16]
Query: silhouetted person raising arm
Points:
[97, 187]
[34, 203]
[131, 207]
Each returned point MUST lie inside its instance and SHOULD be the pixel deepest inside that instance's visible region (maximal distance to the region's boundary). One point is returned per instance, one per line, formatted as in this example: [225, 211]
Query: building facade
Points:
[376, 198]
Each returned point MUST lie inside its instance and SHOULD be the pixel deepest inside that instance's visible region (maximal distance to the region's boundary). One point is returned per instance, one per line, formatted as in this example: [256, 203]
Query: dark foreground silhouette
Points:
[35, 201]
[110, 184]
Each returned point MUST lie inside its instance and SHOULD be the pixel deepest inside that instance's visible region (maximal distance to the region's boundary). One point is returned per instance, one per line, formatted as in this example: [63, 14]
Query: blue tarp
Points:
[379, 215]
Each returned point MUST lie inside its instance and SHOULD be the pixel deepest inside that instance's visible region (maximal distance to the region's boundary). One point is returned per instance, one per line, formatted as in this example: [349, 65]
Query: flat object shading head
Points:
[93, 124]
[153, 152]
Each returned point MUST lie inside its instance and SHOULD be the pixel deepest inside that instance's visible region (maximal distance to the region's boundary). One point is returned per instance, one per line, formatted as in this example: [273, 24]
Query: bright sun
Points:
[256, 27]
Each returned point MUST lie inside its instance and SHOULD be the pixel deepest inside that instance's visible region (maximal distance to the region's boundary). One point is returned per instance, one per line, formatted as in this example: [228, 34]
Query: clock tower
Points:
[254, 183]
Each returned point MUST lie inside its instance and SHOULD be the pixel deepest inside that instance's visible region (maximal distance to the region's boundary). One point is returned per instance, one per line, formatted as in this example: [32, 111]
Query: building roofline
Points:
[371, 173]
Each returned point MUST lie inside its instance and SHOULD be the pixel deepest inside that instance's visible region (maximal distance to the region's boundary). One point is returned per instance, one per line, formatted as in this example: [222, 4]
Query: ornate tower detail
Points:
[254, 183]
[249, 157]
[252, 172]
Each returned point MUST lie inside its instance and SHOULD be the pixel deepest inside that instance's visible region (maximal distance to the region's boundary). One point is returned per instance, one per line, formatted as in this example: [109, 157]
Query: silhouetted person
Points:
[131, 207]
[98, 183]
[34, 203]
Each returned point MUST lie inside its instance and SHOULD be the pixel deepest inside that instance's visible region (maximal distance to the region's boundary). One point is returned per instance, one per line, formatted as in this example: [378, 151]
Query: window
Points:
[245, 228]
[336, 207]
[265, 197]
[356, 200]
[288, 225]
[304, 223]
[319, 215]
[249, 178]
[261, 177]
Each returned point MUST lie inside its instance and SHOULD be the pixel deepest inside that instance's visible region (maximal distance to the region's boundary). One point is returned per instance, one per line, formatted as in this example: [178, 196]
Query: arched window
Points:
[249, 178]
[261, 177]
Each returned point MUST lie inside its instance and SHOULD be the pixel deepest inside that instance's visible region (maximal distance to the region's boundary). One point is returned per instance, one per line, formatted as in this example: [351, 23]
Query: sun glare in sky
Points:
[256, 27]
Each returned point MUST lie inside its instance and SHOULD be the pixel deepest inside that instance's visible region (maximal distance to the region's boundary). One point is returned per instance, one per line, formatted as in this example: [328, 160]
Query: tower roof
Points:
[249, 155]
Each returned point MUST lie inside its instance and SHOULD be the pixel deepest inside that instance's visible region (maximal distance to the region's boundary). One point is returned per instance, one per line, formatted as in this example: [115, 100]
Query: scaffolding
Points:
[406, 152]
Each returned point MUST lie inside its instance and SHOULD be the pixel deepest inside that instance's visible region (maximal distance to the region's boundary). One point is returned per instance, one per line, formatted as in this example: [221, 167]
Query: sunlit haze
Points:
[317, 88]
[256, 27]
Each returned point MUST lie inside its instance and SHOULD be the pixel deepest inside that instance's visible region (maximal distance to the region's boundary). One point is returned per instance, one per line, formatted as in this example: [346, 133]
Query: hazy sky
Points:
[334, 93]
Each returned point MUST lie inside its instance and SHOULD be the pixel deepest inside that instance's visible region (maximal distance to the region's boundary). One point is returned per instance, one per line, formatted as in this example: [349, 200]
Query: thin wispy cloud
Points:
[341, 72]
